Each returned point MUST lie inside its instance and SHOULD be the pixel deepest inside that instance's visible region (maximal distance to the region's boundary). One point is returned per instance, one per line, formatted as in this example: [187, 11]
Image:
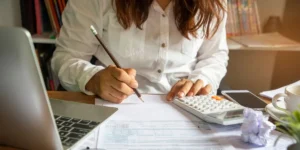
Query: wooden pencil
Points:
[112, 57]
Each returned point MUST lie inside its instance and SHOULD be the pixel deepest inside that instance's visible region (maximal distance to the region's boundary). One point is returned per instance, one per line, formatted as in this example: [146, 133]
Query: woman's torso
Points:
[159, 53]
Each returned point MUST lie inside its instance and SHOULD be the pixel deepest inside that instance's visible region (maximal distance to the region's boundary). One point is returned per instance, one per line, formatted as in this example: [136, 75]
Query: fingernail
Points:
[191, 94]
[169, 97]
[135, 84]
[133, 76]
[180, 94]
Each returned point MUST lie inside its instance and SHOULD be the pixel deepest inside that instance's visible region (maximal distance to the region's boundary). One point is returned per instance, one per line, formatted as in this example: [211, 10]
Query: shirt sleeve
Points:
[76, 44]
[212, 58]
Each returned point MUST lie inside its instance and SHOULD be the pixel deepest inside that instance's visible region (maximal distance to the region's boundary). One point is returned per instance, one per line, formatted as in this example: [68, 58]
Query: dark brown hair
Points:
[190, 15]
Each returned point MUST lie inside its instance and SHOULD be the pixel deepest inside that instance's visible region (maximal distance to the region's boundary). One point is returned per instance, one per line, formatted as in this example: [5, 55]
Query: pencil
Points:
[112, 57]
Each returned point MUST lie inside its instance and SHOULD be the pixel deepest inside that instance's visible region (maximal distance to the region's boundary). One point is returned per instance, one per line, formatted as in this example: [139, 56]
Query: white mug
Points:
[291, 98]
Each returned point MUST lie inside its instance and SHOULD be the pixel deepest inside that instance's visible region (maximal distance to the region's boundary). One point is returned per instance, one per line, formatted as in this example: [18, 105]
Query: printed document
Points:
[159, 124]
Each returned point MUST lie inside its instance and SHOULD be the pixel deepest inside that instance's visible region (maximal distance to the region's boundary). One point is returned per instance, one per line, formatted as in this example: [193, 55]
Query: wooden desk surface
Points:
[72, 96]
[80, 97]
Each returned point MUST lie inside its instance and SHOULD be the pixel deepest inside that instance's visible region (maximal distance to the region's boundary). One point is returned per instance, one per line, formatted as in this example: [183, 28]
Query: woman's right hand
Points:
[113, 84]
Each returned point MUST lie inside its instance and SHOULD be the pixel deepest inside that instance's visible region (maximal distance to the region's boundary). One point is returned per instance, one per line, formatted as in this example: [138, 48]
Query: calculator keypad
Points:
[207, 104]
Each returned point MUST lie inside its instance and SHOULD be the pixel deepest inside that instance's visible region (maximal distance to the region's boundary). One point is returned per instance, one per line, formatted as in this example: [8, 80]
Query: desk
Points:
[72, 96]
[82, 98]
[77, 97]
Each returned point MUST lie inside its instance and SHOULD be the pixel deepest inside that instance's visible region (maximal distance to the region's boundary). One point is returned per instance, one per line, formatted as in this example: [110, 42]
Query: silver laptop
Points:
[28, 119]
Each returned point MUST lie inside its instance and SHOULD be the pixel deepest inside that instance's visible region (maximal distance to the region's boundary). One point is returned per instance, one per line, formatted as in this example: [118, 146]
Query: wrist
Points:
[91, 85]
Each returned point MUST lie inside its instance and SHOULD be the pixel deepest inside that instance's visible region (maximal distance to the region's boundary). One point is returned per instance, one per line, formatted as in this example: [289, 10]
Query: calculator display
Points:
[234, 114]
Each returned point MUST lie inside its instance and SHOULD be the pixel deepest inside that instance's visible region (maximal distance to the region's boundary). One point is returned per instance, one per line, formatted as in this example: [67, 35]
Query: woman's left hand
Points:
[186, 87]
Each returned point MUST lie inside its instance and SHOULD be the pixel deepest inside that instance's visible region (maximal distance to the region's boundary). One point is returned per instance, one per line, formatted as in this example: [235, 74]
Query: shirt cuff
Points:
[86, 78]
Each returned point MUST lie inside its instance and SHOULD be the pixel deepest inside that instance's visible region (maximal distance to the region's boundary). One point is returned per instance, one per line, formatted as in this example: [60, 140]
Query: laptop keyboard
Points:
[73, 129]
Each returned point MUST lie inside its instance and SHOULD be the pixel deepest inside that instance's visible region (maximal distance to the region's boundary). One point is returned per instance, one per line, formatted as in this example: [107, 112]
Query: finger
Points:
[185, 89]
[175, 89]
[121, 87]
[123, 76]
[117, 93]
[206, 90]
[109, 97]
[195, 88]
[131, 72]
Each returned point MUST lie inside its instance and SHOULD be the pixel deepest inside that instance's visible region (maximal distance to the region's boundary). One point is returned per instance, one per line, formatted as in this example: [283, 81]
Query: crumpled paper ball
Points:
[256, 128]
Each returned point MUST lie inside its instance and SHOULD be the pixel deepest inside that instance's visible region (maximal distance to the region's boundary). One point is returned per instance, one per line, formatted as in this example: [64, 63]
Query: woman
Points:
[167, 46]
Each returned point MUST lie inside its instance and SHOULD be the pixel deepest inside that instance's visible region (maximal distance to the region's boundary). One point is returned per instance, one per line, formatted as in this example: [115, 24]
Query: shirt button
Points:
[163, 45]
[159, 71]
[163, 15]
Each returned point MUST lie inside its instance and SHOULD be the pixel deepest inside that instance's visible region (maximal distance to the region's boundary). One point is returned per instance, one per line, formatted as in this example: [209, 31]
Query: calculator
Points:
[212, 109]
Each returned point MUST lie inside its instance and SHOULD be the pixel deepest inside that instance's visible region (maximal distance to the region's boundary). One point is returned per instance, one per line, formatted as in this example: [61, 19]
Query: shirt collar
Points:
[157, 7]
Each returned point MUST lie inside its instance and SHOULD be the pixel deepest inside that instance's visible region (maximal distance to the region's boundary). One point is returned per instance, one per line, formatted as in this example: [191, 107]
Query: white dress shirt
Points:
[159, 53]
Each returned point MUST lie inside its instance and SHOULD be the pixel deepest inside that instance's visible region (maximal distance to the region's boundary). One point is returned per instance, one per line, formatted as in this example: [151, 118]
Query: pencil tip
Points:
[141, 99]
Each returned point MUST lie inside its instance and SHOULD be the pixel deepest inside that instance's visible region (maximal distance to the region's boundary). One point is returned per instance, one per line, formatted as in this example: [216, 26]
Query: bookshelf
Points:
[232, 45]
[254, 10]
[42, 40]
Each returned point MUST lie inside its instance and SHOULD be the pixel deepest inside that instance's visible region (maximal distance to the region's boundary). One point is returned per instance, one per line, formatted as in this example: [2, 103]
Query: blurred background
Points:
[259, 59]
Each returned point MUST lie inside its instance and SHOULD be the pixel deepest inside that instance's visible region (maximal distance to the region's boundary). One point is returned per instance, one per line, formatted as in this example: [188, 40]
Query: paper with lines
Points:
[158, 124]
[155, 124]
[164, 135]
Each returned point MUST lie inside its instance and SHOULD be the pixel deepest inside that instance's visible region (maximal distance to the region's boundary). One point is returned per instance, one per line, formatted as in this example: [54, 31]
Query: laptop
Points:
[28, 119]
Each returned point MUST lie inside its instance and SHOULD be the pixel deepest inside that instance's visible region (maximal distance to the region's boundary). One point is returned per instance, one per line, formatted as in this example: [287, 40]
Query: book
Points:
[54, 14]
[50, 78]
[64, 3]
[257, 18]
[46, 25]
[52, 21]
[58, 14]
[229, 23]
[270, 94]
[60, 5]
[236, 18]
[243, 18]
[273, 40]
[28, 15]
[243, 8]
[42, 56]
[252, 18]
[44, 53]
[38, 17]
[229, 20]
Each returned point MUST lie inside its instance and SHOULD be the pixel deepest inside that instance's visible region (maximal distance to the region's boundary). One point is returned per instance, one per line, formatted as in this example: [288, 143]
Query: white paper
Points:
[233, 136]
[272, 93]
[155, 107]
[158, 124]
[155, 124]
[138, 135]
[256, 127]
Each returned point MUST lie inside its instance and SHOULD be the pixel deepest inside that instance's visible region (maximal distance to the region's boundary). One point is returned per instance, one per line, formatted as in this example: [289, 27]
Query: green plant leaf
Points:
[293, 126]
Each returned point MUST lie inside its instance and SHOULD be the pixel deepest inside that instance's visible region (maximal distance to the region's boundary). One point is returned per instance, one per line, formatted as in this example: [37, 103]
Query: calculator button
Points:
[182, 100]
